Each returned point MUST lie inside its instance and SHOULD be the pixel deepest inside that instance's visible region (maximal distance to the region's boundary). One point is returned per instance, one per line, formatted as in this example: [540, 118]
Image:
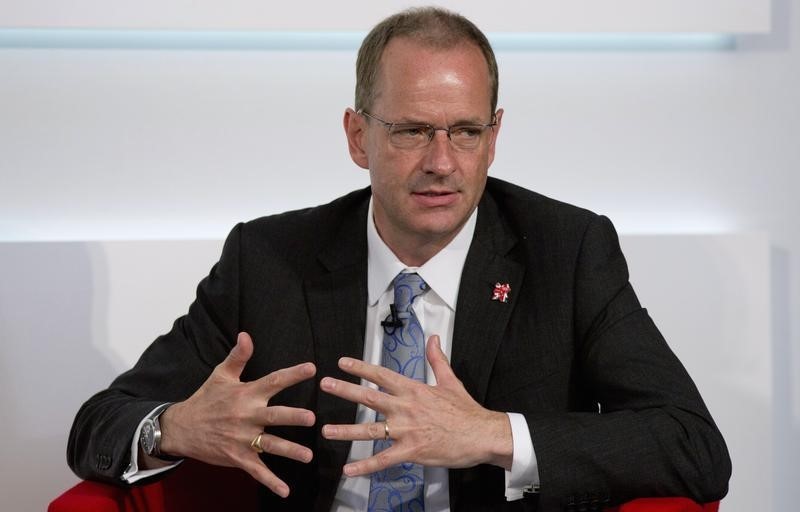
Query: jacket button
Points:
[103, 462]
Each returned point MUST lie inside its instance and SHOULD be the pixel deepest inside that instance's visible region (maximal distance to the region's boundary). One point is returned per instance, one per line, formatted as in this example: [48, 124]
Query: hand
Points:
[430, 425]
[218, 422]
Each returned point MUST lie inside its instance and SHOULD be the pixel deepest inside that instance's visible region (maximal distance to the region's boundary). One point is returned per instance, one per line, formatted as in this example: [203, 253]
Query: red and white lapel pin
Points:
[501, 291]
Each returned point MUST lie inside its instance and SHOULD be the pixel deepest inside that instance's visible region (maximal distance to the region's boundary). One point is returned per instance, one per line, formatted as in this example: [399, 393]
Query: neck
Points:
[420, 251]
[414, 250]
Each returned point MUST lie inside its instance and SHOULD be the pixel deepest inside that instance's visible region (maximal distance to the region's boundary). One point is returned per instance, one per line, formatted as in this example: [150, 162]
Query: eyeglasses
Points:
[418, 136]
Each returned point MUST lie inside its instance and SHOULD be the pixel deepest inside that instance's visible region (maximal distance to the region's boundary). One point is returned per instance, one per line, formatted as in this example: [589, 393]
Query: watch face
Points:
[147, 438]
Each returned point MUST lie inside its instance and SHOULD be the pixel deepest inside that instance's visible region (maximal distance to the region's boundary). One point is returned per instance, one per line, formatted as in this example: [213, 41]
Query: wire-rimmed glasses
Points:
[418, 136]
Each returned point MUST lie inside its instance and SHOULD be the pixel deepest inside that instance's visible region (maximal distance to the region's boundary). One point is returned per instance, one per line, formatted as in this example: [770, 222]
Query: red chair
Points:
[665, 505]
[201, 488]
[192, 486]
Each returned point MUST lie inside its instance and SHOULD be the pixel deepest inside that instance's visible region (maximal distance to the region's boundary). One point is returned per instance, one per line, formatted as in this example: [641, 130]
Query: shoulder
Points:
[298, 236]
[314, 219]
[527, 212]
[555, 237]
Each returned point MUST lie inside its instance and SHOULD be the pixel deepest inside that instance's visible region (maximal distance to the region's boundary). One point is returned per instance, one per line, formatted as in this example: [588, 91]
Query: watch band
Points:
[154, 417]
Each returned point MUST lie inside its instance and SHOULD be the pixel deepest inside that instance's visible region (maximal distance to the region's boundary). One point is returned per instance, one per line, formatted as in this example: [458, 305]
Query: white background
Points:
[105, 144]
[503, 15]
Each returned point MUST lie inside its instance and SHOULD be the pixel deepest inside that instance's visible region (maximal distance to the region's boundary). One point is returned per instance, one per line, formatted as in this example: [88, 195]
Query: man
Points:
[543, 382]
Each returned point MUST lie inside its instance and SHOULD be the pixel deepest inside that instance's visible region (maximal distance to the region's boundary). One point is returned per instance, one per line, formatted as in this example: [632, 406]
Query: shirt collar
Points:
[442, 272]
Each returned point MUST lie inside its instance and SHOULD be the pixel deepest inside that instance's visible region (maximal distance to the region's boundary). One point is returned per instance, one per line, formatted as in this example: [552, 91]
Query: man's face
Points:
[422, 197]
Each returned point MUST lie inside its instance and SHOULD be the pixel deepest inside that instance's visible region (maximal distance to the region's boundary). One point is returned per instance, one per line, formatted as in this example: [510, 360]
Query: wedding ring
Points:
[255, 444]
[385, 430]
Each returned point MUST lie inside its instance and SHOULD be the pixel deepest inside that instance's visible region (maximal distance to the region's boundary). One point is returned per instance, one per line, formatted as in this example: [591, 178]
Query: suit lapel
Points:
[481, 321]
[337, 304]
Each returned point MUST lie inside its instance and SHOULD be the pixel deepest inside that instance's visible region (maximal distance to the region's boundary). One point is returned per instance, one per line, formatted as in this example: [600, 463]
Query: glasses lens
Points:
[410, 136]
[467, 136]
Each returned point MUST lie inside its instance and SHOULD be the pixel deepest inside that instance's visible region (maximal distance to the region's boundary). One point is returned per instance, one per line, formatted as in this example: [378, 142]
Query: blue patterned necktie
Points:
[400, 488]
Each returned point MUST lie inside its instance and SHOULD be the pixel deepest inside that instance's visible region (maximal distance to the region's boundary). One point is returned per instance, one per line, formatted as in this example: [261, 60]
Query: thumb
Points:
[438, 361]
[233, 365]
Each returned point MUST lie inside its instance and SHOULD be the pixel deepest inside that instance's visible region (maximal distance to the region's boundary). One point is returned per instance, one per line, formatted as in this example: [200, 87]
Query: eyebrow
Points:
[461, 122]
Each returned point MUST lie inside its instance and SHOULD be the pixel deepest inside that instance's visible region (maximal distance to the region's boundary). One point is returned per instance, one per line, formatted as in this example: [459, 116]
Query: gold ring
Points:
[385, 430]
[255, 444]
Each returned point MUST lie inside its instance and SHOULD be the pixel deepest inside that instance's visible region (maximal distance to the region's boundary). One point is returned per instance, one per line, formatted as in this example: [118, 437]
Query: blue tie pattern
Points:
[400, 488]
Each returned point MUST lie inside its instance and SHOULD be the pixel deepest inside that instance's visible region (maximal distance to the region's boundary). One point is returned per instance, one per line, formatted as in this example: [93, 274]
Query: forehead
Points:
[419, 80]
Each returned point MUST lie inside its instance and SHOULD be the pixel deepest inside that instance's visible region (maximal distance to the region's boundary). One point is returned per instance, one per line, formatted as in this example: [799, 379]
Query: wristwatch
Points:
[150, 435]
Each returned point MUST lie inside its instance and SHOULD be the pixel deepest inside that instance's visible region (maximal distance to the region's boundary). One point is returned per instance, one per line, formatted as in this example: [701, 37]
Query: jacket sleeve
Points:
[652, 434]
[170, 370]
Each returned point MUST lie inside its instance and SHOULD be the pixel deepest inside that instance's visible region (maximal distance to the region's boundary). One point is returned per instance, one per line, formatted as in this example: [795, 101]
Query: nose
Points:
[439, 158]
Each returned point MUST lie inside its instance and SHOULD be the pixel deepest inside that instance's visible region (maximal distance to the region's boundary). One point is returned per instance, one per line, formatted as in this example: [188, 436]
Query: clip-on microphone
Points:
[394, 320]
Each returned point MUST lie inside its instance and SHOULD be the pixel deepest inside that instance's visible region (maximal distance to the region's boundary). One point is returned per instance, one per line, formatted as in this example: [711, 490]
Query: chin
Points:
[437, 230]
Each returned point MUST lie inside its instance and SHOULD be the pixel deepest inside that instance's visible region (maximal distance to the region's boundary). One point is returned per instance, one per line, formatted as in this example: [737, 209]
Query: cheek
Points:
[385, 187]
[393, 168]
[475, 168]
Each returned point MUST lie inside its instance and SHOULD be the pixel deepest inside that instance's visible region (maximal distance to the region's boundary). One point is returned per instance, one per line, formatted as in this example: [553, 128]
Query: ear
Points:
[355, 128]
[495, 131]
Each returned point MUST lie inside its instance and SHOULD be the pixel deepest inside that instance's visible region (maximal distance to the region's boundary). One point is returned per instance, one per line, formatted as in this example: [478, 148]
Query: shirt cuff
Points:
[524, 474]
[133, 474]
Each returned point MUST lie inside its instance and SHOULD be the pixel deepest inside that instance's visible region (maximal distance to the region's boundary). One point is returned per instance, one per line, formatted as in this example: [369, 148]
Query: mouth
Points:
[435, 193]
[435, 198]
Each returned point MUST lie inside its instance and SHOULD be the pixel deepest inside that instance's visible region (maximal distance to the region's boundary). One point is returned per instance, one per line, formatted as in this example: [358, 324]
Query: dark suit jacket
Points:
[571, 339]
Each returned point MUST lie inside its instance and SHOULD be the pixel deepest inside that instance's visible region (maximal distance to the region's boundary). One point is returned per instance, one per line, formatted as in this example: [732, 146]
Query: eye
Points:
[466, 132]
[409, 131]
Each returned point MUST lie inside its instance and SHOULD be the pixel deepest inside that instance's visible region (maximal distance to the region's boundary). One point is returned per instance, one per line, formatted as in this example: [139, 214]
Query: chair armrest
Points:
[191, 486]
[667, 505]
[101, 497]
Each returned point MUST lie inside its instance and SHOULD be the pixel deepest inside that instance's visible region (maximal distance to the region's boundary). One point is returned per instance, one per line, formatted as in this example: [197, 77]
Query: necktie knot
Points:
[407, 287]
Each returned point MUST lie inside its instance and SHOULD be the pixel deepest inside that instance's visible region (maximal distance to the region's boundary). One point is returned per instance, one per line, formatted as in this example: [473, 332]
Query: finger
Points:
[359, 432]
[277, 381]
[280, 415]
[385, 378]
[233, 365]
[283, 448]
[372, 398]
[439, 362]
[387, 458]
[260, 472]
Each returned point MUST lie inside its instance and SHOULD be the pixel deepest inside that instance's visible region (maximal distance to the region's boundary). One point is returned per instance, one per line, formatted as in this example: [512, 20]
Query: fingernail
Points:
[238, 342]
[328, 430]
[327, 384]
[349, 470]
[345, 362]
[283, 491]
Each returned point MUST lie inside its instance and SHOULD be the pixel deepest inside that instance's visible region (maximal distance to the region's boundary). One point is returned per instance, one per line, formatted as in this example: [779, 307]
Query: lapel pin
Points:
[501, 291]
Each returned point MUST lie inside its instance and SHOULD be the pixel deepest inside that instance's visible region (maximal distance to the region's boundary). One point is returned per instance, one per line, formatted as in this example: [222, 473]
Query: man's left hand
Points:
[439, 425]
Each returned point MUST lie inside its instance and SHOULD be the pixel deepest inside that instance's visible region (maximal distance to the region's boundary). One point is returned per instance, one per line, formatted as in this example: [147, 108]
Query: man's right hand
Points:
[219, 421]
